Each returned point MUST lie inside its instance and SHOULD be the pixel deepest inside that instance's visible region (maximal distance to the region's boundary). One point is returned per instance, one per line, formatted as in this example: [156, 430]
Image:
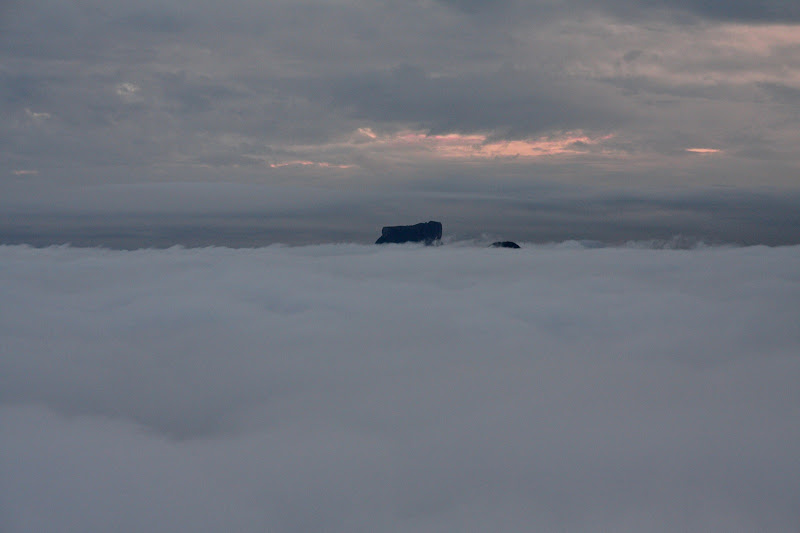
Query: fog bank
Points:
[360, 388]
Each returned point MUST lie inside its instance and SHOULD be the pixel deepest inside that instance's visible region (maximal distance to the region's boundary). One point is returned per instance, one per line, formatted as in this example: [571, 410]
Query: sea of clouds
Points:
[348, 388]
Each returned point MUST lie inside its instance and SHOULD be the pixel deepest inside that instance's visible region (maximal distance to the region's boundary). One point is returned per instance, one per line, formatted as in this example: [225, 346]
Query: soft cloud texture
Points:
[163, 91]
[352, 388]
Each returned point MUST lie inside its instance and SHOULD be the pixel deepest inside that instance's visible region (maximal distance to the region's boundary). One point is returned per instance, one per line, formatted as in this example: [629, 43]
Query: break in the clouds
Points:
[349, 388]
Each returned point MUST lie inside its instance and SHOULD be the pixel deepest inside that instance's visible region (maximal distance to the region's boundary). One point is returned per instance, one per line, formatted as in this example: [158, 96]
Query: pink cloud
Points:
[703, 150]
[478, 146]
[301, 163]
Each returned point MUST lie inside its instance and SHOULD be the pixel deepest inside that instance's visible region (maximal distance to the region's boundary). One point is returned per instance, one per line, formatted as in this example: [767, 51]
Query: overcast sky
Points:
[369, 110]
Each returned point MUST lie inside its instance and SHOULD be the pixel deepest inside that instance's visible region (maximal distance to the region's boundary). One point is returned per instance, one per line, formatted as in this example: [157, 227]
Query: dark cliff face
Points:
[426, 232]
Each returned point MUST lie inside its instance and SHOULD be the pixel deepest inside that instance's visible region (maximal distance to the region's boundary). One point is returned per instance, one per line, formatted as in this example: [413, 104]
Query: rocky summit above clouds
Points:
[426, 232]
[505, 244]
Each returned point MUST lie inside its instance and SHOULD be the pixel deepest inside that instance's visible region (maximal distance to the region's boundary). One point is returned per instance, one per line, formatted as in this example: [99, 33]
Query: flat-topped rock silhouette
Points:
[505, 244]
[425, 232]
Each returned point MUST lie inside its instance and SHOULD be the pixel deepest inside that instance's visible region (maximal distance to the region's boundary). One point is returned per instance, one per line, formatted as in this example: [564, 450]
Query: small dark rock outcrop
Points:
[505, 244]
[427, 232]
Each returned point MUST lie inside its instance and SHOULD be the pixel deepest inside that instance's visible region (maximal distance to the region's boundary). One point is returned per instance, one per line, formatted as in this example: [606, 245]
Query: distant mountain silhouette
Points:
[427, 232]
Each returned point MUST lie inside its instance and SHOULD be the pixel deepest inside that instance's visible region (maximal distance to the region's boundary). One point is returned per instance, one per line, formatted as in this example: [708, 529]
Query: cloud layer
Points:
[351, 388]
[160, 89]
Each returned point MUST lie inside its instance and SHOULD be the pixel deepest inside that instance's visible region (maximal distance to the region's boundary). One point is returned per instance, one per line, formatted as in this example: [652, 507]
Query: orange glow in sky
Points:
[479, 146]
[703, 150]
